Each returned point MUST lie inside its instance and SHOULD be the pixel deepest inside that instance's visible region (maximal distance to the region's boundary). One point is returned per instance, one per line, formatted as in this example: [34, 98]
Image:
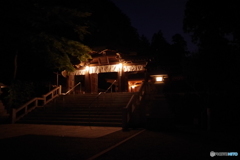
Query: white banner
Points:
[109, 68]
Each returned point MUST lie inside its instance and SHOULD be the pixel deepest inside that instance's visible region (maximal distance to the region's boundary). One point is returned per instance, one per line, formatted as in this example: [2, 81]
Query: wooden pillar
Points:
[125, 81]
[120, 89]
[94, 82]
[122, 81]
[119, 79]
[87, 83]
[91, 83]
[71, 81]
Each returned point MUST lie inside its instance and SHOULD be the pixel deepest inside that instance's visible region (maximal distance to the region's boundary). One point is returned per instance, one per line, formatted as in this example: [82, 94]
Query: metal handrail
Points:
[71, 89]
[110, 86]
[99, 94]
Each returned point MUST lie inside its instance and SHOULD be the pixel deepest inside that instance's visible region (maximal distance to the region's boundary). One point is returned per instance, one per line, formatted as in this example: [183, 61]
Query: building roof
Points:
[108, 60]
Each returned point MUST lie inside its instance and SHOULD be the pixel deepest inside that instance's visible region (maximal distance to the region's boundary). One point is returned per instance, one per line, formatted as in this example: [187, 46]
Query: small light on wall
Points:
[159, 79]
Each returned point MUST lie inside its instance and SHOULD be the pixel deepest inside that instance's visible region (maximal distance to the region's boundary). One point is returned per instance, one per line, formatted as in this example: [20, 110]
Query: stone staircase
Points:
[81, 109]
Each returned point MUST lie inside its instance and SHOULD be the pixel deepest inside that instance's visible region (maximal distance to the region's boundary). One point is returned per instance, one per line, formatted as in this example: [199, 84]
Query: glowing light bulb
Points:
[159, 79]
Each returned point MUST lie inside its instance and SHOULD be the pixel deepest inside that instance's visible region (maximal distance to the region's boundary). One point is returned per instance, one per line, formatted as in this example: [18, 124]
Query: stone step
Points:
[92, 119]
[110, 124]
[75, 116]
[86, 101]
[76, 110]
[77, 113]
[71, 116]
[73, 119]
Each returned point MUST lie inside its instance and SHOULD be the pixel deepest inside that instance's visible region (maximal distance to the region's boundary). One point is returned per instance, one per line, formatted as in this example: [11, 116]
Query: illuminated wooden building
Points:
[127, 70]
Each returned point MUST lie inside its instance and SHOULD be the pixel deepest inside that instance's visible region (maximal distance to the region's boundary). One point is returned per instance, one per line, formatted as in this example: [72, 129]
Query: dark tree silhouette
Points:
[110, 27]
[178, 53]
[215, 28]
[38, 37]
[212, 19]
[160, 48]
[41, 36]
[144, 46]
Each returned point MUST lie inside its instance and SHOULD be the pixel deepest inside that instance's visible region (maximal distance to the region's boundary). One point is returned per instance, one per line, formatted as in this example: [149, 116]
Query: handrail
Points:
[98, 95]
[110, 86]
[131, 106]
[32, 104]
[71, 89]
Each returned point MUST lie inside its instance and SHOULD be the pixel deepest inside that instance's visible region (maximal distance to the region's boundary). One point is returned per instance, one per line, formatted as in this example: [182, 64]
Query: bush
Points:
[19, 93]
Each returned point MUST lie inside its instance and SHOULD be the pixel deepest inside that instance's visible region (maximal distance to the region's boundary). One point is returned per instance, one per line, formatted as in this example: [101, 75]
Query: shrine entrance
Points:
[104, 68]
[106, 79]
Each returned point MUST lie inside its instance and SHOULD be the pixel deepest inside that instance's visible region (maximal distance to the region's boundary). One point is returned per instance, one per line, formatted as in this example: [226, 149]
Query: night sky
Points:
[150, 16]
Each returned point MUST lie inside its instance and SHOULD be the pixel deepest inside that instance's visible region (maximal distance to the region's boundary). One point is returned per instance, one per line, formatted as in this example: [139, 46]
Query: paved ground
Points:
[37, 142]
[14, 130]
[168, 145]
[60, 142]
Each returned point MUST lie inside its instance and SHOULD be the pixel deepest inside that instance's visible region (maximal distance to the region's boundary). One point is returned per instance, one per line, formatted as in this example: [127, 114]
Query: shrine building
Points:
[128, 72]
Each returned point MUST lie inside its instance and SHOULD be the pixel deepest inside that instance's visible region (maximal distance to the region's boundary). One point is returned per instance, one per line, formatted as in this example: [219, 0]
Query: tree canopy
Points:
[46, 35]
[109, 27]
[215, 28]
[43, 36]
[216, 21]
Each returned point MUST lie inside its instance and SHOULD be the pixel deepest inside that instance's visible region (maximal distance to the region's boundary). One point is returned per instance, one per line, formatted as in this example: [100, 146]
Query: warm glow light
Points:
[133, 86]
[87, 68]
[119, 65]
[159, 79]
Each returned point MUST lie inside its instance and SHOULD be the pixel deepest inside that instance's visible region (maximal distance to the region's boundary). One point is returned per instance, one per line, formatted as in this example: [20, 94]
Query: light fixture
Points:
[119, 66]
[159, 79]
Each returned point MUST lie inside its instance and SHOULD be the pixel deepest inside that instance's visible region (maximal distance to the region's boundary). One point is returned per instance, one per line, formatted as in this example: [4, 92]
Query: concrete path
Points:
[37, 142]
[153, 145]
[14, 130]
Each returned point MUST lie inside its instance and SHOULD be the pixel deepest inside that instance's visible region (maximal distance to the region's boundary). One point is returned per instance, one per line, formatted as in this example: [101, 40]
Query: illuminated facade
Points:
[109, 61]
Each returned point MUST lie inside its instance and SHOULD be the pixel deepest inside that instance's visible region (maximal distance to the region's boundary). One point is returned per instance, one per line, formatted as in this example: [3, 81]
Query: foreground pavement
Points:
[174, 145]
[37, 142]
[14, 130]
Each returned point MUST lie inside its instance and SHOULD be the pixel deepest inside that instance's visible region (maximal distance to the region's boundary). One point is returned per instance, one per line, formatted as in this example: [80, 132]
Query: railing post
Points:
[44, 99]
[60, 90]
[13, 115]
[36, 102]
